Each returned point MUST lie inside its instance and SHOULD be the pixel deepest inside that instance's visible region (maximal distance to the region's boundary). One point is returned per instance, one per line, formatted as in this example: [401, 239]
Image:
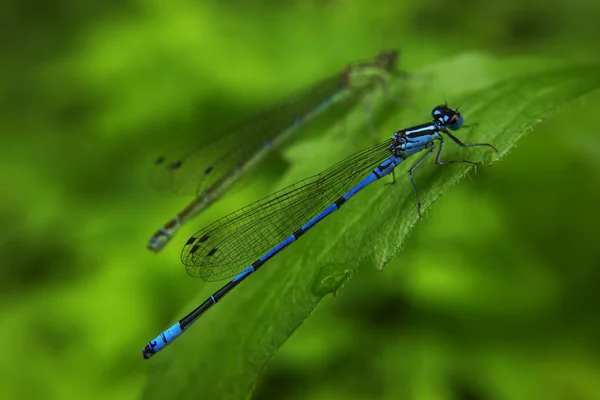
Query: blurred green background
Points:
[493, 297]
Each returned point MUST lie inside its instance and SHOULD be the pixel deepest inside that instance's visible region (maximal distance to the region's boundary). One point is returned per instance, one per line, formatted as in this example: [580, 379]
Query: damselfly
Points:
[240, 243]
[209, 171]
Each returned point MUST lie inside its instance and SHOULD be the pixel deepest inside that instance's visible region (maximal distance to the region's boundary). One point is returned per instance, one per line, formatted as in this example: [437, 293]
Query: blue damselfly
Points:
[209, 170]
[241, 242]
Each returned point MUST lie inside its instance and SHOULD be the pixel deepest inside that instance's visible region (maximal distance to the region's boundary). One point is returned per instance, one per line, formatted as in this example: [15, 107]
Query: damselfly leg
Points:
[410, 171]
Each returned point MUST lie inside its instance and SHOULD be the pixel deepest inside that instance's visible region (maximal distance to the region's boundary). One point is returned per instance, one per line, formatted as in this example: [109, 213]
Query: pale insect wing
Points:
[209, 163]
[229, 245]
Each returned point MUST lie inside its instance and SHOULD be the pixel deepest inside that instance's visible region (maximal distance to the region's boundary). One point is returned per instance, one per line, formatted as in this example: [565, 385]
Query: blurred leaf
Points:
[225, 352]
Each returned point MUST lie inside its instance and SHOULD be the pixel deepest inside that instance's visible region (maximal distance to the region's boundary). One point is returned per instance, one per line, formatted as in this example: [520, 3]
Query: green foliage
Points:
[493, 296]
[223, 354]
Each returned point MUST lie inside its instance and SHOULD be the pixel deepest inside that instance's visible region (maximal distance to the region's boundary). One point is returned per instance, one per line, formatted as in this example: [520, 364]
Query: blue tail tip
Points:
[148, 351]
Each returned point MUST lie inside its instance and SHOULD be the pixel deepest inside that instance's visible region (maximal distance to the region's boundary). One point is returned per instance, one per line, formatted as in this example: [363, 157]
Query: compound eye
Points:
[455, 122]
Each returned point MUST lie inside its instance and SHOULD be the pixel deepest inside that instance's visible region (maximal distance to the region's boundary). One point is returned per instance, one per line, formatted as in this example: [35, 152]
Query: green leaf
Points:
[223, 354]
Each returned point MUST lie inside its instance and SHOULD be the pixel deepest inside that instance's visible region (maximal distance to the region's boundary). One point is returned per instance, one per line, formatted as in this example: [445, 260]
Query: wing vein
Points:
[231, 243]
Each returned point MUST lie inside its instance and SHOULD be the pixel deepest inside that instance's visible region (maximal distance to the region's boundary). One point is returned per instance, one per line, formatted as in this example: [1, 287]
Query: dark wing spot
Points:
[194, 249]
[159, 160]
[175, 164]
[203, 239]
[211, 252]
[190, 241]
[207, 170]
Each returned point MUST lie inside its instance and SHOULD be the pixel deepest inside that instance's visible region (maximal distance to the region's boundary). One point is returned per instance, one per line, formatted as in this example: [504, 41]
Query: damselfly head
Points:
[448, 117]
[388, 59]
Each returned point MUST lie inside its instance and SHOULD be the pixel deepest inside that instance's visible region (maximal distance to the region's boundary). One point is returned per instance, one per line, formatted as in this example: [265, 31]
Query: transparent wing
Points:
[208, 164]
[232, 243]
